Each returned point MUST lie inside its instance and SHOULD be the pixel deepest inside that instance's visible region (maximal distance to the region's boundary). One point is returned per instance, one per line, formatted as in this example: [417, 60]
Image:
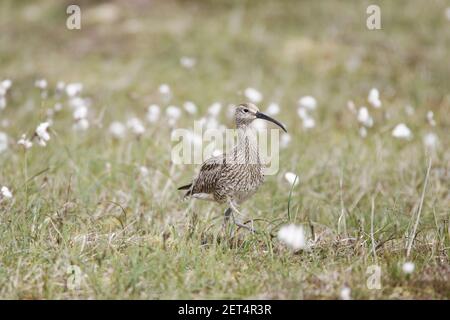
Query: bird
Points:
[233, 177]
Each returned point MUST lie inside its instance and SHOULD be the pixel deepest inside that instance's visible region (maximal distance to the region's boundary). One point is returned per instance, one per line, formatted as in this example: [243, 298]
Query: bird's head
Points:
[247, 112]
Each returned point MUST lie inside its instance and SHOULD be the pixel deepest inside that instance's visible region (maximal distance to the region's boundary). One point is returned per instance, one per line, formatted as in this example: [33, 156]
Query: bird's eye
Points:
[245, 110]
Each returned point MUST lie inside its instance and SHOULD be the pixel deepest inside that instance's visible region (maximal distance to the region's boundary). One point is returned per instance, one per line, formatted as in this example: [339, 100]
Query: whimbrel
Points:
[233, 177]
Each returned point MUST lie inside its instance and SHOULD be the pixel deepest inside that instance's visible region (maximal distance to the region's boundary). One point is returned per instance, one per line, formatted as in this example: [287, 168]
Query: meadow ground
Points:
[94, 216]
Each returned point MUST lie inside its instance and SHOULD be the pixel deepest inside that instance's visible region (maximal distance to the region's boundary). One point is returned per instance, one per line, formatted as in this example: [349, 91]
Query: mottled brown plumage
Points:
[234, 177]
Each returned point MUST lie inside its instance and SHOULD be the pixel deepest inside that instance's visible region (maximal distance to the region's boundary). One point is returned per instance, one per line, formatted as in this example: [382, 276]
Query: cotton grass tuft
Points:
[292, 236]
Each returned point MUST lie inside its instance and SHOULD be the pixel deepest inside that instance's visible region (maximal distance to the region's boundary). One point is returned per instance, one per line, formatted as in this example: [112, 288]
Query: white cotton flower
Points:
[302, 113]
[364, 117]
[80, 112]
[26, 143]
[42, 133]
[188, 62]
[164, 89]
[74, 89]
[253, 95]
[309, 123]
[7, 83]
[6, 193]
[143, 171]
[4, 86]
[77, 102]
[273, 109]
[136, 126]
[215, 109]
[117, 130]
[430, 118]
[165, 92]
[41, 84]
[293, 236]
[291, 178]
[345, 293]
[431, 140]
[153, 113]
[408, 267]
[374, 98]
[285, 140]
[190, 107]
[3, 141]
[81, 124]
[173, 112]
[308, 102]
[363, 132]
[401, 131]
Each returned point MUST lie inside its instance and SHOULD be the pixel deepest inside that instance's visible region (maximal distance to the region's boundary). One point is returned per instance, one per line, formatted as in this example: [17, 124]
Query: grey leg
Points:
[239, 224]
[226, 220]
[227, 214]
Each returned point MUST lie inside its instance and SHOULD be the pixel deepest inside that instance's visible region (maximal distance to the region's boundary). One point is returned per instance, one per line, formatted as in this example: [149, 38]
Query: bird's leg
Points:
[226, 219]
[227, 214]
[239, 224]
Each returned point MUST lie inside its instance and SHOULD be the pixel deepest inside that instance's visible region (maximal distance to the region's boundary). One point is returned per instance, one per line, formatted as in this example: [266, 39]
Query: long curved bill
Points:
[264, 116]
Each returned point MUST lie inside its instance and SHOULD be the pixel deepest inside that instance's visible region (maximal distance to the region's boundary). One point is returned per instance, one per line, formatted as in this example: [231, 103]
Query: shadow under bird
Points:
[233, 177]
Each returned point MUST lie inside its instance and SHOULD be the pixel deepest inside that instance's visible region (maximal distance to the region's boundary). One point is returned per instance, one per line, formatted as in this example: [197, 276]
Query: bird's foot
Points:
[241, 225]
[229, 214]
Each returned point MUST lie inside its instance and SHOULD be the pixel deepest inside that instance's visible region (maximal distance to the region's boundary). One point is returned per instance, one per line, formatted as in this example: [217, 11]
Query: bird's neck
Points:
[247, 144]
[247, 132]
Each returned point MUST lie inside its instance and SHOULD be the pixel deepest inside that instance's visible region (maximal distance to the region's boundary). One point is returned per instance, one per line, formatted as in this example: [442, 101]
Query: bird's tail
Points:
[185, 187]
[188, 188]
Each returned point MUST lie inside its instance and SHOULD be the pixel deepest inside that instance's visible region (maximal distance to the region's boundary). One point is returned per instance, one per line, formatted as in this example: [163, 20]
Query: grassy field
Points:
[84, 210]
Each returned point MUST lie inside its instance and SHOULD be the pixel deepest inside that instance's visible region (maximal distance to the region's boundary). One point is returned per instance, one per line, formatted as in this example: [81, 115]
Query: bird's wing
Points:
[207, 177]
